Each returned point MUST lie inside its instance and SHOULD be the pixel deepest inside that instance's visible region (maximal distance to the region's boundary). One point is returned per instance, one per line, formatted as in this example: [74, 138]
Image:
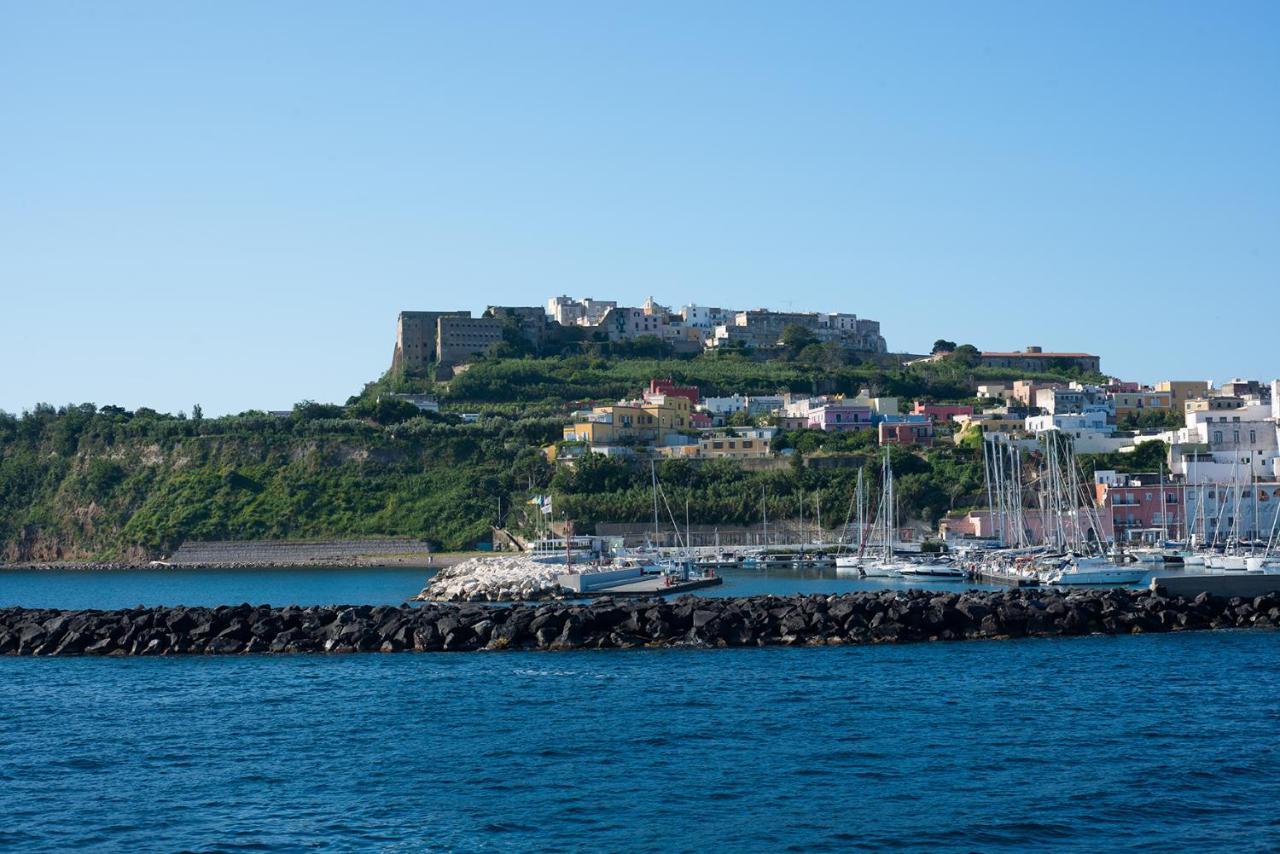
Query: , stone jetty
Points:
[864, 617]
[495, 579]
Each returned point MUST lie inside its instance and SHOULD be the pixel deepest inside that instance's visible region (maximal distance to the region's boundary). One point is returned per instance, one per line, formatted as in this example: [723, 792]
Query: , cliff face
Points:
[87, 484]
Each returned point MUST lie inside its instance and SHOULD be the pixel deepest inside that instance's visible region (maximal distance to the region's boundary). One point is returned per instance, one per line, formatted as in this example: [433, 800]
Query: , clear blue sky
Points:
[227, 203]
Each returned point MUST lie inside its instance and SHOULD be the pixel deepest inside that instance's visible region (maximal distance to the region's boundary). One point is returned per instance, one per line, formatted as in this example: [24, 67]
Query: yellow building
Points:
[1180, 391]
[744, 444]
[632, 422]
[1137, 402]
[989, 424]
[671, 413]
[1215, 403]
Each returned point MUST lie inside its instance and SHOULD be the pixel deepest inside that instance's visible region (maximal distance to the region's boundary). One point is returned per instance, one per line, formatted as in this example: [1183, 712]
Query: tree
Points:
[942, 345]
[309, 410]
[1152, 419]
[967, 355]
[828, 357]
[796, 337]
[197, 413]
[393, 410]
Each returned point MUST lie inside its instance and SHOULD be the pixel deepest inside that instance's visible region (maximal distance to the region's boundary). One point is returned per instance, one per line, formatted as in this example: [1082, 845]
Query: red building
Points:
[700, 420]
[906, 433]
[940, 411]
[669, 388]
[1130, 505]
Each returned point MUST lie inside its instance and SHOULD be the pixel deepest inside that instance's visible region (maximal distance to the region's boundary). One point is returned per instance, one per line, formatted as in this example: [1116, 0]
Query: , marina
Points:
[125, 588]
[1068, 545]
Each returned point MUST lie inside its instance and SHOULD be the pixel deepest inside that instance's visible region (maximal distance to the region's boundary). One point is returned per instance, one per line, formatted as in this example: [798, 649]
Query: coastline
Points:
[433, 561]
[854, 618]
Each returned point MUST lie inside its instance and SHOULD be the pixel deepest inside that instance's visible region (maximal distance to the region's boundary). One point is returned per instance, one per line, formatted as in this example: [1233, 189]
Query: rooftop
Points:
[1038, 355]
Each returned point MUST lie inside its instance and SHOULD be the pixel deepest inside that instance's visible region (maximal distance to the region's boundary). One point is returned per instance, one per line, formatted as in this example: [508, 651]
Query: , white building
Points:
[1218, 511]
[753, 405]
[1090, 433]
[705, 317]
[568, 311]
[724, 405]
[764, 404]
[1074, 399]
[878, 405]
[622, 323]
[1093, 422]
[1226, 445]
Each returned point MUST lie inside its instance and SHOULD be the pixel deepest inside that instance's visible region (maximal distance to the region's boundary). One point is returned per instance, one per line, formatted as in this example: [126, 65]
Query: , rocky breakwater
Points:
[866, 617]
[495, 579]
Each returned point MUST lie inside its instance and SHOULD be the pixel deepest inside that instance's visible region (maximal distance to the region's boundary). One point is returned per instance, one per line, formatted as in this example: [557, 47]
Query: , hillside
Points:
[84, 482]
[561, 379]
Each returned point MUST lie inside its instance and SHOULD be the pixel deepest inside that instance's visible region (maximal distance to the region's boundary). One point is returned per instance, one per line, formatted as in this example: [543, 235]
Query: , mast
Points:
[801, 503]
[888, 508]
[1164, 511]
[764, 512]
[986, 478]
[862, 507]
[1253, 488]
[817, 512]
[653, 477]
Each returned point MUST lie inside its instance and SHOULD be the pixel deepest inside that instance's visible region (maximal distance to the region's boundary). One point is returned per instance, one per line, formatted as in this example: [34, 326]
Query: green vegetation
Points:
[88, 482]
[1146, 457]
[929, 484]
[82, 481]
[813, 369]
[1152, 419]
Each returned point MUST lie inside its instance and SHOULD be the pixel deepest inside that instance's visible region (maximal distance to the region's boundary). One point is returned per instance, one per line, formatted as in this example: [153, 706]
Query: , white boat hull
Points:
[880, 570]
[849, 565]
[1262, 565]
[1091, 575]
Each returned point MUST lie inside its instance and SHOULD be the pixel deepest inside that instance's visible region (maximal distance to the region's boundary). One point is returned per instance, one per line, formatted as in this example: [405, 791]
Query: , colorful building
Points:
[755, 442]
[839, 417]
[1137, 402]
[1143, 507]
[989, 423]
[1213, 403]
[1024, 391]
[1180, 391]
[1130, 506]
[668, 387]
[940, 411]
[906, 430]
[632, 422]
[1073, 400]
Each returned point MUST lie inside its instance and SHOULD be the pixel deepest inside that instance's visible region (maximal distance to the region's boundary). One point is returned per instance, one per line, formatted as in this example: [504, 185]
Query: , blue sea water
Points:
[1162, 742]
[1148, 742]
[125, 588]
